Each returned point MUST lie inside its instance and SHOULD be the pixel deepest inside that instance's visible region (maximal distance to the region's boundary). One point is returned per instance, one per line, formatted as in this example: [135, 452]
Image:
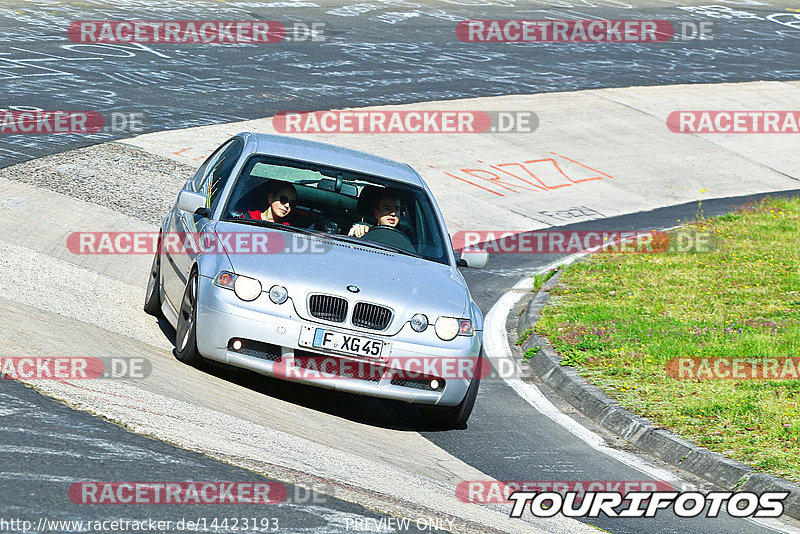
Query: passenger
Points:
[385, 210]
[281, 199]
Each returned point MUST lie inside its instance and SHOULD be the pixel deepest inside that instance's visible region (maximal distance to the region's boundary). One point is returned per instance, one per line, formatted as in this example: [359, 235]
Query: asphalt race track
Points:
[53, 445]
[391, 52]
[351, 449]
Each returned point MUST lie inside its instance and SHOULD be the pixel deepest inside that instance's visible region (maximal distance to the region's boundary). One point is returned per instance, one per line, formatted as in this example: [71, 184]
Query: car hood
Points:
[316, 264]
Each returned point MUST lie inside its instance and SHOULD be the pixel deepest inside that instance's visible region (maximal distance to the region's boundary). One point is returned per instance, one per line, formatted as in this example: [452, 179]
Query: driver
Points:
[386, 211]
[281, 199]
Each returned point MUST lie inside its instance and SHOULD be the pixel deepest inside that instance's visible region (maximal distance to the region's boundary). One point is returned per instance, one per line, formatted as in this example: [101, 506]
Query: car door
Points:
[209, 180]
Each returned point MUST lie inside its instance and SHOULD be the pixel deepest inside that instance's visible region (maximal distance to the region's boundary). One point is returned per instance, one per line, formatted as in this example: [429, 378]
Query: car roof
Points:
[331, 155]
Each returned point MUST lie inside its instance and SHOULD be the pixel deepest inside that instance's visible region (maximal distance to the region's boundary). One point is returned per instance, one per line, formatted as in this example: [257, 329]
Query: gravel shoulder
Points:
[119, 177]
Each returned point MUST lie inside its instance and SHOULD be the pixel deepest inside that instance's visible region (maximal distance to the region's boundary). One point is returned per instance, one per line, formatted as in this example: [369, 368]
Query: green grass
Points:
[531, 352]
[619, 318]
[539, 279]
[524, 337]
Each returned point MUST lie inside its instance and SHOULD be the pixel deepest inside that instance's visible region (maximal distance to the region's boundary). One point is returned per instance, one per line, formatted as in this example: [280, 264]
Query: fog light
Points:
[434, 384]
[237, 344]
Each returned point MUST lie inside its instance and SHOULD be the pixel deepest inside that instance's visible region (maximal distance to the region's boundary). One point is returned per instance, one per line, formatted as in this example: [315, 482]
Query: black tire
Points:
[152, 299]
[186, 331]
[453, 417]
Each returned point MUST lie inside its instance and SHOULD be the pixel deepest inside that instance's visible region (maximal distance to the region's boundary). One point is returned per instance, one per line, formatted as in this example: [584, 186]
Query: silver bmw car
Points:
[324, 265]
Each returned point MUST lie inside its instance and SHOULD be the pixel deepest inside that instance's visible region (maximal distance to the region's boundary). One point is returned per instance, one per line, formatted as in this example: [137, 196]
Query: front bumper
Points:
[221, 318]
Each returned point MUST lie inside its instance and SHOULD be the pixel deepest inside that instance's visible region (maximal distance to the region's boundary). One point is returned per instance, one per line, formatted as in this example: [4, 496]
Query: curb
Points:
[641, 432]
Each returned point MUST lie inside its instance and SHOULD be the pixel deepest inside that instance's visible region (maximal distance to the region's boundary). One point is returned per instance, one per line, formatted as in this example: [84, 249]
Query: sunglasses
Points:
[283, 199]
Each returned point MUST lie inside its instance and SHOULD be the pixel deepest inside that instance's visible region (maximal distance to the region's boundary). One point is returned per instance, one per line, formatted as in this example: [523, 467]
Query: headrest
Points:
[367, 199]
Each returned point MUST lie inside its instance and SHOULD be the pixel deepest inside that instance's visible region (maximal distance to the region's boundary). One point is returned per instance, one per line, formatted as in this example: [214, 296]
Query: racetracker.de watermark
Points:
[74, 368]
[405, 122]
[573, 242]
[736, 122]
[421, 368]
[193, 31]
[720, 368]
[75, 122]
[564, 31]
[175, 243]
[180, 493]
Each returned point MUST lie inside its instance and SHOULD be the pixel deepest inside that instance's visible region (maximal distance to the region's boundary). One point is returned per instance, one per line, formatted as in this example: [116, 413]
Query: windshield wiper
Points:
[323, 235]
[368, 243]
[270, 224]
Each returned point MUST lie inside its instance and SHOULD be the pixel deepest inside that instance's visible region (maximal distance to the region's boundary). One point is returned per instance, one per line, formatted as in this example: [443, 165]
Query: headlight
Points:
[419, 322]
[246, 288]
[448, 328]
[278, 294]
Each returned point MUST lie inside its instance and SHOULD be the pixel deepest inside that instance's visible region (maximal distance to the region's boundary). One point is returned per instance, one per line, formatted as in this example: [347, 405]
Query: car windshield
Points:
[338, 203]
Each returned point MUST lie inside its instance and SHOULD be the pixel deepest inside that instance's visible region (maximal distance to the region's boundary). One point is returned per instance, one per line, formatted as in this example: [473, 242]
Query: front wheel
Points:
[186, 332]
[452, 417]
[152, 299]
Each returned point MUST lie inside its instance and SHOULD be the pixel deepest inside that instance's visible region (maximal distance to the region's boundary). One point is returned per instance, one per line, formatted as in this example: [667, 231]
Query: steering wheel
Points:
[327, 225]
[389, 235]
[330, 227]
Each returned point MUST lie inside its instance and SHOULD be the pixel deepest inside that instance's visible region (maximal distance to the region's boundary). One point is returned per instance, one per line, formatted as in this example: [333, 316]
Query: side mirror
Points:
[473, 258]
[193, 203]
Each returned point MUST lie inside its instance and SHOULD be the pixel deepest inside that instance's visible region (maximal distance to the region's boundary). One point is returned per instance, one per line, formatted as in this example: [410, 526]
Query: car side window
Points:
[222, 172]
[202, 173]
[219, 171]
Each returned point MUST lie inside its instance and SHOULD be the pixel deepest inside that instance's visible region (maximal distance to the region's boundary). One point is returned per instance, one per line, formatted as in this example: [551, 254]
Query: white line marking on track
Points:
[496, 349]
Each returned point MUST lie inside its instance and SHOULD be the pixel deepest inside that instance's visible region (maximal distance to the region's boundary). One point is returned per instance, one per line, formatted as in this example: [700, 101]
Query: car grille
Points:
[257, 349]
[417, 383]
[341, 367]
[328, 308]
[371, 316]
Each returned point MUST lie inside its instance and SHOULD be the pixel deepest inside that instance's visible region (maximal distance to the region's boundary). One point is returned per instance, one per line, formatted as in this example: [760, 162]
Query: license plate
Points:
[347, 343]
